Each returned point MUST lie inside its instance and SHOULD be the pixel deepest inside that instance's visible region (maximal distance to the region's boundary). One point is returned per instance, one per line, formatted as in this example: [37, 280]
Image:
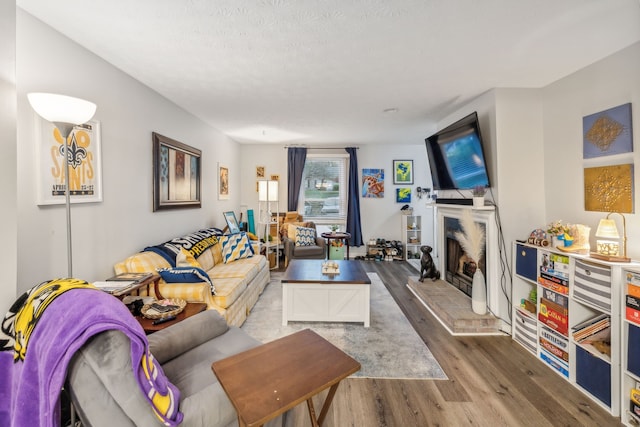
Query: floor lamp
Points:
[64, 112]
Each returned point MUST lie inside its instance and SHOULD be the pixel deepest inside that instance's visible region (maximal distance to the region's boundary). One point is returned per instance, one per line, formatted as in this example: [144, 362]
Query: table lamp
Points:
[607, 244]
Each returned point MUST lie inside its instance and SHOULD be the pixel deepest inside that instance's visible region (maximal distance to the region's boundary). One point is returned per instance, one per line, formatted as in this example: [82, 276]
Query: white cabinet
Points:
[559, 298]
[412, 235]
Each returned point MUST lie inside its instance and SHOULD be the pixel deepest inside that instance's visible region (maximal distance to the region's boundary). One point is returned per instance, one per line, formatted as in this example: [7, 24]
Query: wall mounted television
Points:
[456, 156]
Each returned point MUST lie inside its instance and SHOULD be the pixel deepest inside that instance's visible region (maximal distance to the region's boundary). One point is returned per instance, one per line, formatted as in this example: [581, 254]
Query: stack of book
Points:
[595, 331]
[554, 272]
[121, 282]
[632, 306]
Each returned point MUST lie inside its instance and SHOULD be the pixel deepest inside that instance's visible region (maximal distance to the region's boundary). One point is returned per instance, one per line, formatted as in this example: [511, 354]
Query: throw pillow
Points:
[186, 275]
[305, 236]
[186, 259]
[235, 246]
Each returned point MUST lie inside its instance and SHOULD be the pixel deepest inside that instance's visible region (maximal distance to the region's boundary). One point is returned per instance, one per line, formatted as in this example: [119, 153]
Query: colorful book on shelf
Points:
[127, 277]
[590, 321]
[555, 316]
[556, 287]
[554, 350]
[557, 297]
[556, 279]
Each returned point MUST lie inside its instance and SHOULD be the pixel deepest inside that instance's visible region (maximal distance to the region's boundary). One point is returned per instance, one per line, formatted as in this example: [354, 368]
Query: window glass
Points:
[323, 192]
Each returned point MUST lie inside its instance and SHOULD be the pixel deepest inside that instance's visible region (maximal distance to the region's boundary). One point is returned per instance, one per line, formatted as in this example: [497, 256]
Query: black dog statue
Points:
[428, 268]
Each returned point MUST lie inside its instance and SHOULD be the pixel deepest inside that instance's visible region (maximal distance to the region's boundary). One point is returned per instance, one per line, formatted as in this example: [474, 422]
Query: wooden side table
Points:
[152, 280]
[191, 309]
[339, 235]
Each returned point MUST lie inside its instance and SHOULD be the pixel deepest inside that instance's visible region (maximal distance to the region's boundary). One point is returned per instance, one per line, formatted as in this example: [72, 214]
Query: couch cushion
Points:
[145, 262]
[305, 236]
[177, 339]
[228, 290]
[235, 246]
[186, 275]
[206, 259]
[245, 268]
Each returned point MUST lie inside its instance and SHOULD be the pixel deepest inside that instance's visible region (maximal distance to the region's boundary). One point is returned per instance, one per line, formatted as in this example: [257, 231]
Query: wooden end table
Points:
[338, 235]
[191, 309]
[268, 380]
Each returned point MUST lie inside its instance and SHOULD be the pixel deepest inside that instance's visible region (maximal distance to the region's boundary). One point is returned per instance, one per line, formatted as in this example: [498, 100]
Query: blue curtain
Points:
[296, 157]
[353, 209]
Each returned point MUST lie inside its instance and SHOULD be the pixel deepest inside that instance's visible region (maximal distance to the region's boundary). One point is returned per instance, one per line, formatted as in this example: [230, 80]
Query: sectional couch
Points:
[238, 275]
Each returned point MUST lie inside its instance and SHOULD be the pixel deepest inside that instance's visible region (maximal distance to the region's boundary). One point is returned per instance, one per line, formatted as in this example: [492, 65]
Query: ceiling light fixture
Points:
[390, 110]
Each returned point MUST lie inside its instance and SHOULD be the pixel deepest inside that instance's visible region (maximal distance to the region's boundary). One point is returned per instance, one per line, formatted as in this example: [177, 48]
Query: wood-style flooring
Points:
[492, 382]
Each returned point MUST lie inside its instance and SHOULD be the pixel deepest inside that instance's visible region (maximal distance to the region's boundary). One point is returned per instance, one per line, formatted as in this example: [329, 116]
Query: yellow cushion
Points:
[186, 259]
[145, 261]
[217, 253]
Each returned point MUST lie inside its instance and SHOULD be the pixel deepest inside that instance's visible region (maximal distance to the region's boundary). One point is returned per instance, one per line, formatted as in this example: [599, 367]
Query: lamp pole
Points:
[65, 130]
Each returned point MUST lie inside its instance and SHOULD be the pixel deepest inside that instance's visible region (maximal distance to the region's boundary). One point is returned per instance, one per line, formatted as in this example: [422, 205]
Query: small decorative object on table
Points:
[330, 267]
[163, 308]
[478, 193]
[334, 227]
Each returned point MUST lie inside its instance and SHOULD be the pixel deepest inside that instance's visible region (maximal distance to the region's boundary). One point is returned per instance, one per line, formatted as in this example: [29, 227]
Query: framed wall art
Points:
[403, 195]
[373, 183]
[232, 222]
[403, 171]
[223, 182]
[176, 174]
[85, 164]
[608, 132]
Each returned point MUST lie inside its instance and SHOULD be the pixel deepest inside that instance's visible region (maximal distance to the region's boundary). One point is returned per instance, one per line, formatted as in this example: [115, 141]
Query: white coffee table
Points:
[309, 295]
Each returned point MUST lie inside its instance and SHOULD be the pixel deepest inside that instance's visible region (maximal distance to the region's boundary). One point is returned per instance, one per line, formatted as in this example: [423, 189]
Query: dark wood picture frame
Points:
[176, 174]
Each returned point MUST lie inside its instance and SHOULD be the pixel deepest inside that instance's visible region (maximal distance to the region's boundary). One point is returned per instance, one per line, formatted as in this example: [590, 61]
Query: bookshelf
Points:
[630, 337]
[559, 299]
[412, 238]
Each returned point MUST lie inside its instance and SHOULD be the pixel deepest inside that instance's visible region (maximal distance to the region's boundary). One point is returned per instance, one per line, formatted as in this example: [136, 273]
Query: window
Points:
[323, 192]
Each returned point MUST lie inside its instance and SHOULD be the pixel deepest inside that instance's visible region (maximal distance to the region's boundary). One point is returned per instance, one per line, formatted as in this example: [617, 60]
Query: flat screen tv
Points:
[456, 156]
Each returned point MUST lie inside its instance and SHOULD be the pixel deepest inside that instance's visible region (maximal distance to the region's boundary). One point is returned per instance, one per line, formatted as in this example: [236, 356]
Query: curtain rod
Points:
[318, 148]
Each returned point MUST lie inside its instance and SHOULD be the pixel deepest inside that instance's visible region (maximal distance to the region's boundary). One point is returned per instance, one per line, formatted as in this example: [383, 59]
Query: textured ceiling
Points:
[322, 72]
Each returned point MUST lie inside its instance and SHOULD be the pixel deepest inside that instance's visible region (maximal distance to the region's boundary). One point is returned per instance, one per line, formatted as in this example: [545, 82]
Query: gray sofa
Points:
[103, 389]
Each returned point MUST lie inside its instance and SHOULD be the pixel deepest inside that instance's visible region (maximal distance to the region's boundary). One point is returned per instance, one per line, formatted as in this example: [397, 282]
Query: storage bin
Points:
[633, 350]
[336, 252]
[592, 284]
[527, 262]
[525, 332]
[594, 375]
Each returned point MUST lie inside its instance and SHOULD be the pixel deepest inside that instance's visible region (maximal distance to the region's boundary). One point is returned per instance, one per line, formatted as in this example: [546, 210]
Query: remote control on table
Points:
[166, 319]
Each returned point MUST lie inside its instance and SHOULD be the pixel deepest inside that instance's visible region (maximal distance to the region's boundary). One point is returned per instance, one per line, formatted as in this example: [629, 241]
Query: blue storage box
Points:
[633, 350]
[527, 262]
[594, 375]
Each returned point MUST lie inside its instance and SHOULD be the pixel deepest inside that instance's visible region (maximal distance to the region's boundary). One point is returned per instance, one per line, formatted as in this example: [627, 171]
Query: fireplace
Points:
[453, 266]
[459, 268]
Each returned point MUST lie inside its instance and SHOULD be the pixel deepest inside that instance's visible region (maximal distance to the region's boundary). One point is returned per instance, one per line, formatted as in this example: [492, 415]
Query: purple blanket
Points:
[40, 335]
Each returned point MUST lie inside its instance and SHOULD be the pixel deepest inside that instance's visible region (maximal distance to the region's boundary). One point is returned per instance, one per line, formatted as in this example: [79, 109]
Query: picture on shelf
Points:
[232, 222]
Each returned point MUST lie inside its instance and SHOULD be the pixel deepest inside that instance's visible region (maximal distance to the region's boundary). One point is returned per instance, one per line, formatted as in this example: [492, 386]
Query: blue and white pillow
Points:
[235, 246]
[186, 275]
[305, 236]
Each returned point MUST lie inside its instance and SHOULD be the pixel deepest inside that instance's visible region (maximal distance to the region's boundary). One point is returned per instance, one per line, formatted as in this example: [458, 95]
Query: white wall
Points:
[107, 232]
[8, 211]
[608, 83]
[380, 217]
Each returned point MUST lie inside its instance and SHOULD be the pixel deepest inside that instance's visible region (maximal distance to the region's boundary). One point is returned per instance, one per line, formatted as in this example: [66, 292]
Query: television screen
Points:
[456, 156]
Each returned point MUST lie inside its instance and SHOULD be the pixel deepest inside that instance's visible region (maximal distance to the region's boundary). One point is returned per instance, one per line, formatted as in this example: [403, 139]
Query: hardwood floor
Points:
[492, 382]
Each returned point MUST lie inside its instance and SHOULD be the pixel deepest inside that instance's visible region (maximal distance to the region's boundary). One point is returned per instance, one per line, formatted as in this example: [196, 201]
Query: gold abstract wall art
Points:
[608, 132]
[609, 188]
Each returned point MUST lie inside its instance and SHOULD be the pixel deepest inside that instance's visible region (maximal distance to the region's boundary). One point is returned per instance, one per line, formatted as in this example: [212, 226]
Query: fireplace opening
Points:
[459, 268]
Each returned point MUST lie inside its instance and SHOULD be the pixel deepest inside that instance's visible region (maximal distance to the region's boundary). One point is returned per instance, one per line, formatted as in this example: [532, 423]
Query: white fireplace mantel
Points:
[484, 215]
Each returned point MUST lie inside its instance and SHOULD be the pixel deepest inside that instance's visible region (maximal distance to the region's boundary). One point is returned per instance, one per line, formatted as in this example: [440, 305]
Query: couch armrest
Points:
[177, 339]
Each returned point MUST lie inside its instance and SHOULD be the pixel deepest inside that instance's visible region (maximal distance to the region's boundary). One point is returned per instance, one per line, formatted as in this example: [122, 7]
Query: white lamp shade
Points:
[268, 191]
[61, 108]
[607, 229]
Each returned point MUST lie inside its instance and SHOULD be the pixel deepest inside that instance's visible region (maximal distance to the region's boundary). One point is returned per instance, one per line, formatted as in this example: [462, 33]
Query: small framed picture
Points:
[403, 171]
[259, 171]
[232, 222]
[403, 195]
[223, 182]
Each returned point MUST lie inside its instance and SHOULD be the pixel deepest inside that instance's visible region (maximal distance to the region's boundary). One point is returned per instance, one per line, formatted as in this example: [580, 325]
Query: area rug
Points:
[389, 348]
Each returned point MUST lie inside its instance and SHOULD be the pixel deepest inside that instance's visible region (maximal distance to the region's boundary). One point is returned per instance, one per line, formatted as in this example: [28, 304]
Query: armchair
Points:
[291, 251]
